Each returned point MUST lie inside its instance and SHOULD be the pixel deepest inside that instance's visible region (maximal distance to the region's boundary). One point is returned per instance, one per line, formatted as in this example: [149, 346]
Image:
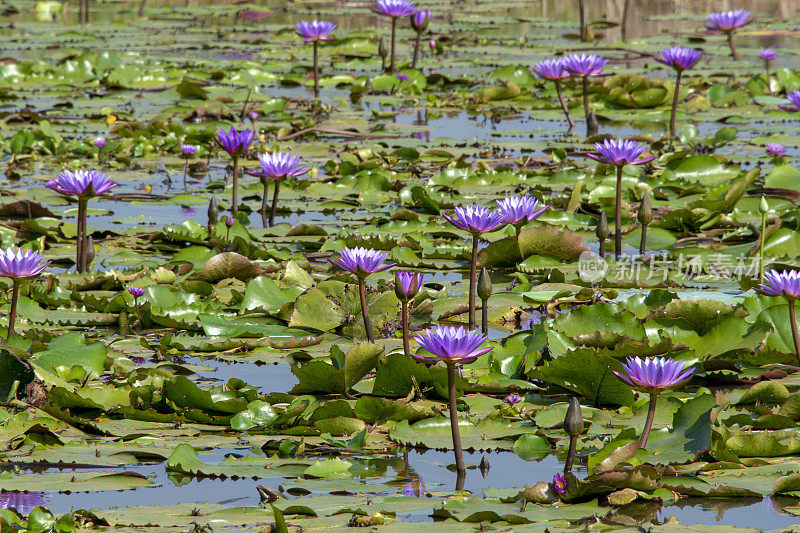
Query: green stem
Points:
[451, 397]
[484, 317]
[394, 31]
[12, 316]
[761, 247]
[564, 107]
[674, 109]
[416, 49]
[573, 442]
[316, 71]
[766, 68]
[585, 90]
[404, 324]
[235, 200]
[473, 281]
[794, 330]
[618, 216]
[362, 293]
[651, 413]
[185, 170]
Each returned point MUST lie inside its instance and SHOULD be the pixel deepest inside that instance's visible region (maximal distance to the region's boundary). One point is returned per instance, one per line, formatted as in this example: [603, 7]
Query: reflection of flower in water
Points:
[23, 502]
[414, 488]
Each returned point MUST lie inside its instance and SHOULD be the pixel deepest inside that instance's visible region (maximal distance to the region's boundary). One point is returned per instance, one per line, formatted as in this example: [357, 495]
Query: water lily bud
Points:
[406, 285]
[230, 221]
[213, 211]
[645, 214]
[89, 250]
[601, 230]
[763, 206]
[573, 422]
[313, 173]
[383, 49]
[484, 285]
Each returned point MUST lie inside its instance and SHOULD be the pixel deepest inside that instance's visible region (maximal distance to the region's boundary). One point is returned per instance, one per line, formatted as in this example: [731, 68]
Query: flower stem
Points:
[564, 105]
[582, 15]
[416, 49]
[185, 169]
[651, 413]
[404, 325]
[586, 102]
[82, 230]
[451, 398]
[643, 240]
[618, 216]
[484, 316]
[731, 45]
[12, 316]
[473, 281]
[674, 109]
[235, 200]
[573, 442]
[766, 68]
[316, 71]
[394, 31]
[274, 208]
[624, 23]
[761, 247]
[362, 292]
[793, 323]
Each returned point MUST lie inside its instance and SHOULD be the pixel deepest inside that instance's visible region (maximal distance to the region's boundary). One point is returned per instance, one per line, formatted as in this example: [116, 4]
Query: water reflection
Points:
[23, 502]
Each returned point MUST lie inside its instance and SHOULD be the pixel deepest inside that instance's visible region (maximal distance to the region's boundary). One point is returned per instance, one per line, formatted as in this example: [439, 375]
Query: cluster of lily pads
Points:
[556, 359]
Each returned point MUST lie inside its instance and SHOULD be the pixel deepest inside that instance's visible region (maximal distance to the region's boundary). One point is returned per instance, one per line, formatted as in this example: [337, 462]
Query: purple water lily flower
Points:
[550, 69]
[409, 283]
[785, 283]
[253, 116]
[512, 399]
[679, 58]
[519, 210]
[476, 219]
[419, 20]
[100, 142]
[395, 8]
[362, 261]
[768, 55]
[794, 99]
[620, 152]
[188, 150]
[235, 142]
[316, 30]
[136, 292]
[81, 183]
[727, 21]
[584, 65]
[281, 165]
[401, 76]
[775, 149]
[559, 484]
[21, 265]
[655, 374]
[451, 345]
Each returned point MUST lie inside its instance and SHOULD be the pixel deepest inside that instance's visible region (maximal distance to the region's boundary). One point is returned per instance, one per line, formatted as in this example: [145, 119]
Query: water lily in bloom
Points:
[786, 284]
[768, 55]
[794, 102]
[727, 22]
[362, 262]
[276, 167]
[680, 59]
[236, 143]
[559, 484]
[188, 150]
[401, 76]
[476, 220]
[316, 30]
[553, 70]
[584, 66]
[512, 399]
[100, 142]
[775, 149]
[452, 346]
[394, 9]
[84, 184]
[653, 376]
[18, 266]
[136, 292]
[520, 210]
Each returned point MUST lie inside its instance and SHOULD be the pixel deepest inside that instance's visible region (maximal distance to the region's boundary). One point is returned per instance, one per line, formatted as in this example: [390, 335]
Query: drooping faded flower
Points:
[785, 283]
[768, 55]
[452, 345]
[21, 265]
[81, 183]
[794, 101]
[775, 149]
[362, 261]
[235, 142]
[281, 165]
[584, 65]
[476, 219]
[520, 209]
[316, 30]
[620, 152]
[679, 58]
[550, 69]
[654, 374]
[727, 21]
[395, 8]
